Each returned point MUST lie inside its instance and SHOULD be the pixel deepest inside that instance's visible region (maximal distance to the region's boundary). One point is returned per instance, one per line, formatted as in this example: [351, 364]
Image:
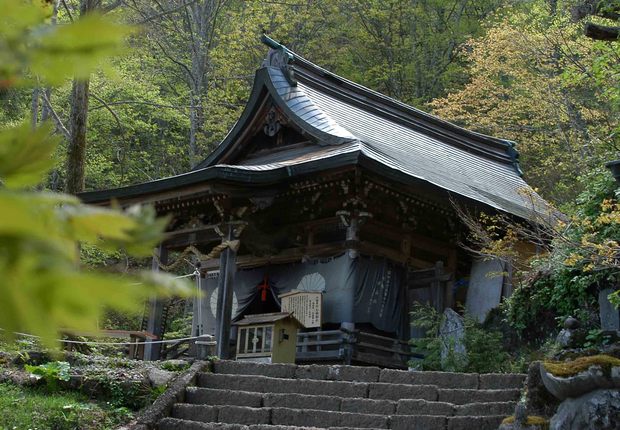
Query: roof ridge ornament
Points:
[280, 57]
[513, 153]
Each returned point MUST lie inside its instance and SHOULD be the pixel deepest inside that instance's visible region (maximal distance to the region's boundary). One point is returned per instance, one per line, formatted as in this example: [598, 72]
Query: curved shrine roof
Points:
[352, 125]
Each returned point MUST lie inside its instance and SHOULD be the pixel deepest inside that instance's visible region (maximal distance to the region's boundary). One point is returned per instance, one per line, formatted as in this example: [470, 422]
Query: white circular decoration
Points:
[312, 282]
[235, 305]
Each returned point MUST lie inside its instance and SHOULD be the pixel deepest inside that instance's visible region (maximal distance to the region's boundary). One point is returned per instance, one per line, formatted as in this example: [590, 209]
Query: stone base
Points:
[597, 410]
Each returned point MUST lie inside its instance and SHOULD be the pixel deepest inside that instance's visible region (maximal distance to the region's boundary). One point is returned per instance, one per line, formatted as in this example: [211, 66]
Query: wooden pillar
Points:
[156, 307]
[228, 268]
[353, 234]
[437, 289]
[449, 293]
[201, 307]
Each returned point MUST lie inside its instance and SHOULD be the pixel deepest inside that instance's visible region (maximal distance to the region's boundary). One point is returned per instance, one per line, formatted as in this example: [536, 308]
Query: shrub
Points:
[51, 373]
[582, 260]
[485, 352]
[174, 366]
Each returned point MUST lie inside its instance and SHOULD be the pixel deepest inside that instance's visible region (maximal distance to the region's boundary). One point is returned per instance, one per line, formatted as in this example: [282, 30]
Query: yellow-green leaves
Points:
[137, 230]
[43, 290]
[76, 49]
[92, 223]
[25, 155]
[16, 21]
[31, 45]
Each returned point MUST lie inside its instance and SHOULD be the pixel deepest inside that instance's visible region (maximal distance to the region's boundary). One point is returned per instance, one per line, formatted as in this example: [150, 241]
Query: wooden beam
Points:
[286, 256]
[184, 238]
[418, 240]
[321, 250]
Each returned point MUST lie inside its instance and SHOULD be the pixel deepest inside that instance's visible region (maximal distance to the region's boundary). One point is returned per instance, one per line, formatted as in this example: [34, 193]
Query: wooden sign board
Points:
[307, 307]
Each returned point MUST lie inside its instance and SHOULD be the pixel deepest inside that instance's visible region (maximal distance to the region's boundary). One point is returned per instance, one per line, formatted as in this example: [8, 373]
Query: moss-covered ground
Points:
[532, 420]
[565, 369]
[30, 408]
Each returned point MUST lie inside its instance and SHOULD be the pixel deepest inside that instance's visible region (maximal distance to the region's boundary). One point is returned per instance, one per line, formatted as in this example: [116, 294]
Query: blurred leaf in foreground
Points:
[43, 290]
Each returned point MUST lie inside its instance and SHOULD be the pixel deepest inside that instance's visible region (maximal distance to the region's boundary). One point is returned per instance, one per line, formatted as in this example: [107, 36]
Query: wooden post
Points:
[200, 308]
[156, 307]
[448, 294]
[347, 340]
[200, 314]
[436, 287]
[228, 268]
[353, 234]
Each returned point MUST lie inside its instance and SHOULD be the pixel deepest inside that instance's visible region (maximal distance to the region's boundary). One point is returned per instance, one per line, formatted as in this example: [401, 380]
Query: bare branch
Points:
[166, 12]
[138, 102]
[109, 109]
[174, 60]
[112, 6]
[64, 3]
[59, 125]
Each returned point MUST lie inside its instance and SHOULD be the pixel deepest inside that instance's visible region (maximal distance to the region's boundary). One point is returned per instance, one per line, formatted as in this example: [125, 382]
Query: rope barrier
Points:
[189, 275]
[215, 252]
[195, 273]
[81, 342]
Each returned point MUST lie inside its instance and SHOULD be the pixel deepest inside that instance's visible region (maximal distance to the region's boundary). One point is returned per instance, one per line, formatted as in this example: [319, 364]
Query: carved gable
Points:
[270, 134]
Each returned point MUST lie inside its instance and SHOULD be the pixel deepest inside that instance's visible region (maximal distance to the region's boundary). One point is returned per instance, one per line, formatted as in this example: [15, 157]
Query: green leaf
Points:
[91, 224]
[26, 155]
[17, 20]
[166, 285]
[77, 49]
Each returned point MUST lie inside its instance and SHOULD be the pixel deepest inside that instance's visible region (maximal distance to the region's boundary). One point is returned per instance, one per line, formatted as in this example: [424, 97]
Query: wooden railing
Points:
[320, 345]
[354, 346]
[175, 350]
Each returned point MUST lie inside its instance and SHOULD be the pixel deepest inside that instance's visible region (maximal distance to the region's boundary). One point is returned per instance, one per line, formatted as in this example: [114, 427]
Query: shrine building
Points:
[325, 186]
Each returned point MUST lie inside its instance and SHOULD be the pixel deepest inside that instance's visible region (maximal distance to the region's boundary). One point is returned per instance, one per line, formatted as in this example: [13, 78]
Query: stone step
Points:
[210, 396]
[464, 397]
[372, 374]
[278, 416]
[199, 417]
[177, 424]
[372, 390]
[263, 384]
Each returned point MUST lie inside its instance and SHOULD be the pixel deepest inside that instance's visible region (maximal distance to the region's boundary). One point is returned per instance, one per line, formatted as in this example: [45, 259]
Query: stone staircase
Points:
[249, 396]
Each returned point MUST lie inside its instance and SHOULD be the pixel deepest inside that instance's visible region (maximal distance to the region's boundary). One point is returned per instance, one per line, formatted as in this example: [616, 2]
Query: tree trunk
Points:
[76, 153]
[34, 108]
[45, 111]
[201, 29]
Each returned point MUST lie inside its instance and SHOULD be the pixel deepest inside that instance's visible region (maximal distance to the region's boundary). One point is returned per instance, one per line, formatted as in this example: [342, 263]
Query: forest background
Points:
[520, 70]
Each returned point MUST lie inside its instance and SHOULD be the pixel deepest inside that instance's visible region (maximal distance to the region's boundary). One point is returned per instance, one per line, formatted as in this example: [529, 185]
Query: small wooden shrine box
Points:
[269, 338]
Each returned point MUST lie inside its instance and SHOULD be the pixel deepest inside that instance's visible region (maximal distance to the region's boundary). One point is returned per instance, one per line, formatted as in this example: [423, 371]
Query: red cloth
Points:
[263, 288]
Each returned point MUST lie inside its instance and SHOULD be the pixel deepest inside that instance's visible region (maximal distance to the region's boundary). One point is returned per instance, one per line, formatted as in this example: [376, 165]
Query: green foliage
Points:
[29, 45]
[27, 408]
[521, 71]
[180, 321]
[485, 352]
[25, 155]
[533, 80]
[128, 395]
[596, 338]
[51, 372]
[583, 259]
[174, 367]
[42, 288]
